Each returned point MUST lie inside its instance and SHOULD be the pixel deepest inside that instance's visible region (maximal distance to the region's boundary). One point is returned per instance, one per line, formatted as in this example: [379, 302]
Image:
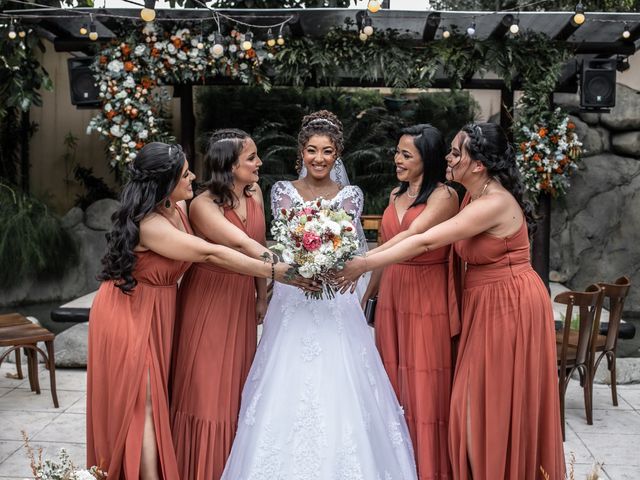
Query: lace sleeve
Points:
[353, 201]
[280, 198]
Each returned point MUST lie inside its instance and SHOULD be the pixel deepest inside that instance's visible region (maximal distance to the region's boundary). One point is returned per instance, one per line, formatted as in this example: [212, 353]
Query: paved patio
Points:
[613, 439]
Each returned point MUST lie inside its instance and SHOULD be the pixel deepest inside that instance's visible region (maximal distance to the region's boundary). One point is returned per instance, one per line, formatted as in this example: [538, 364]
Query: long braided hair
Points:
[487, 143]
[322, 122]
[153, 175]
[223, 151]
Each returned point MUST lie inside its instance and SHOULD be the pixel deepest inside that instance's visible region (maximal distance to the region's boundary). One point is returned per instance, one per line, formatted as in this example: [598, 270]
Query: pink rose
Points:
[311, 241]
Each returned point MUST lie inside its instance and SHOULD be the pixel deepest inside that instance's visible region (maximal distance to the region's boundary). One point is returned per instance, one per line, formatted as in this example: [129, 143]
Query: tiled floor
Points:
[614, 437]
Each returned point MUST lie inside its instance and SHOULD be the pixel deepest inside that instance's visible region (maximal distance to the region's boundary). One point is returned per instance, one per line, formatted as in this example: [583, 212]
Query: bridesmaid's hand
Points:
[348, 277]
[261, 309]
[286, 274]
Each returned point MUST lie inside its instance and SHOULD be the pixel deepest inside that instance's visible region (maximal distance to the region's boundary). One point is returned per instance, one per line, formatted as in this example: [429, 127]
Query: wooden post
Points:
[188, 124]
[506, 111]
[541, 238]
[25, 127]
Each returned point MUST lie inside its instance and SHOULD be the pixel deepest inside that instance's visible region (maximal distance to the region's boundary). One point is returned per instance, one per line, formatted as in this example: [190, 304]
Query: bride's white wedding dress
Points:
[318, 404]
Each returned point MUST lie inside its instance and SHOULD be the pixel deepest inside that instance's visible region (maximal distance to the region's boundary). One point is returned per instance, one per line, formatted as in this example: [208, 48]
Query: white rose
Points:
[116, 131]
[143, 134]
[171, 48]
[181, 55]
[126, 138]
[287, 256]
[115, 66]
[132, 144]
[306, 271]
[108, 107]
[333, 227]
[139, 50]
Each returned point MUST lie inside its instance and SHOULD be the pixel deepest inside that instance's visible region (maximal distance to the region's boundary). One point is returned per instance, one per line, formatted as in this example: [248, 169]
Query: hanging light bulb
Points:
[21, 32]
[446, 33]
[271, 40]
[83, 29]
[148, 13]
[374, 6]
[200, 45]
[280, 40]
[12, 31]
[626, 33]
[578, 17]
[93, 34]
[218, 48]
[471, 29]
[368, 26]
[363, 36]
[247, 42]
[515, 28]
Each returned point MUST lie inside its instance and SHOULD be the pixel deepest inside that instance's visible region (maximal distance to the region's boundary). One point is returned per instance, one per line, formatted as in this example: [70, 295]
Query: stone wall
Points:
[595, 229]
[88, 228]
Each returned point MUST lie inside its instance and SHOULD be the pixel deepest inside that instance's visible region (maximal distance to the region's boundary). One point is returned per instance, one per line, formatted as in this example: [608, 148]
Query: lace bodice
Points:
[284, 194]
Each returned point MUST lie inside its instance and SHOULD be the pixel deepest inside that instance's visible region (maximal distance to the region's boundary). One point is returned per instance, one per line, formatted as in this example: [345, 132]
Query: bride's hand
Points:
[285, 274]
[348, 277]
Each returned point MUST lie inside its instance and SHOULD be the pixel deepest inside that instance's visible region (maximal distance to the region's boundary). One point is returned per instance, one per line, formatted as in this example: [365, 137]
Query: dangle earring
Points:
[167, 203]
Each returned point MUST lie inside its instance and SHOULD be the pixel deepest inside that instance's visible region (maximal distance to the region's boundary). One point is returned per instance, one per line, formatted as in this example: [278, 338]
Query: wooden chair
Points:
[606, 344]
[27, 335]
[10, 320]
[576, 358]
[373, 222]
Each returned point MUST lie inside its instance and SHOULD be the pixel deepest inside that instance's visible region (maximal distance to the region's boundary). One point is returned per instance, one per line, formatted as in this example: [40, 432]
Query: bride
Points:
[317, 403]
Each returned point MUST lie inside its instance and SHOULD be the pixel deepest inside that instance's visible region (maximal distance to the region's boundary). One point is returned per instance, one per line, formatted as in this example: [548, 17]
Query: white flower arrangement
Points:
[61, 468]
[548, 154]
[315, 237]
[126, 72]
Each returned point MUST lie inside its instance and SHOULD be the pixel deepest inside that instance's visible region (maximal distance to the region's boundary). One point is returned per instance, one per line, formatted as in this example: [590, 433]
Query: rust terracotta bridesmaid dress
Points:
[416, 316]
[130, 340]
[506, 386]
[215, 344]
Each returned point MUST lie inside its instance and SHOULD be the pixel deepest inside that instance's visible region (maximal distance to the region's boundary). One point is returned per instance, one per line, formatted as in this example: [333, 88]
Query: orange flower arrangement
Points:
[548, 154]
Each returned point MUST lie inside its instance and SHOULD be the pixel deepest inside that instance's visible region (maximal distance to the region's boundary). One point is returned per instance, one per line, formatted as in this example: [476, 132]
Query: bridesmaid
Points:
[413, 330]
[505, 413]
[218, 310]
[132, 317]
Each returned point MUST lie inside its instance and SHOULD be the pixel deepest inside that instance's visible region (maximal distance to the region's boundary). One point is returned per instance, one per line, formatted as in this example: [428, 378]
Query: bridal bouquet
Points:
[314, 238]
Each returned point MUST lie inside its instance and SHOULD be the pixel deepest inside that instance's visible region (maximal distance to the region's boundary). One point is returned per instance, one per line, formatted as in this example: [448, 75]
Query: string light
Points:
[247, 42]
[578, 17]
[374, 6]
[626, 33]
[148, 13]
[83, 29]
[218, 47]
[21, 32]
[445, 33]
[471, 29]
[12, 31]
[368, 26]
[280, 40]
[363, 36]
[93, 33]
[271, 40]
[515, 28]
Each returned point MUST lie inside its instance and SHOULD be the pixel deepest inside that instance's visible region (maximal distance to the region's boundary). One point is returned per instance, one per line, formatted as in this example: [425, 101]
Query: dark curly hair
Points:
[487, 143]
[153, 175]
[223, 151]
[322, 122]
[430, 143]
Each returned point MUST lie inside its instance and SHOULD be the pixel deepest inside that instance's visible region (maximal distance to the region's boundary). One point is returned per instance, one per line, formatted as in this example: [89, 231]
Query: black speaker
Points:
[84, 92]
[598, 84]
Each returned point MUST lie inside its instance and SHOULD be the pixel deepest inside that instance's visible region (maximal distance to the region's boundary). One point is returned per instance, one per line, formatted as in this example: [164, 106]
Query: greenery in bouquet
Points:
[315, 237]
[547, 153]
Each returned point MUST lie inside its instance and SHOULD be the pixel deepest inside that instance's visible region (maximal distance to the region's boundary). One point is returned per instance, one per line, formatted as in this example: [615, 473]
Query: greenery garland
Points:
[127, 71]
